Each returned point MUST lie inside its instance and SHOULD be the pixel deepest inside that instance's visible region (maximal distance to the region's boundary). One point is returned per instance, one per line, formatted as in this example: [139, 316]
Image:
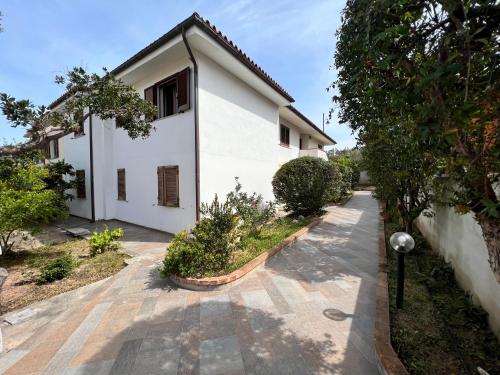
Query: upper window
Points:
[284, 135]
[320, 146]
[170, 95]
[167, 93]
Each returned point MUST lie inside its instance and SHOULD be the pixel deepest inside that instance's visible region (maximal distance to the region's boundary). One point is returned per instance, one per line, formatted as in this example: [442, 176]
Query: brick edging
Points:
[210, 283]
[388, 361]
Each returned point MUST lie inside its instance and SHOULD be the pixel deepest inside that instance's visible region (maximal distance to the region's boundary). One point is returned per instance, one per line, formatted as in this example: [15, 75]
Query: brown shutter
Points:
[150, 96]
[183, 90]
[168, 186]
[160, 186]
[171, 186]
[122, 192]
[80, 184]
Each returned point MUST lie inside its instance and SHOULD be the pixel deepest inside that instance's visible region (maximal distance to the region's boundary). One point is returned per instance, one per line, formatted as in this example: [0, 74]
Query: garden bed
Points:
[439, 330]
[22, 286]
[253, 251]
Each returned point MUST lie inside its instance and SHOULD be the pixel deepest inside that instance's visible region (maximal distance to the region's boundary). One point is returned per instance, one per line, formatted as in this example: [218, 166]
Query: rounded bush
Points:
[304, 185]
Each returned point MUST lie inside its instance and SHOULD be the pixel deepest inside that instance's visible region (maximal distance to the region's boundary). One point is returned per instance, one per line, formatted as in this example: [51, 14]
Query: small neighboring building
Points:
[220, 116]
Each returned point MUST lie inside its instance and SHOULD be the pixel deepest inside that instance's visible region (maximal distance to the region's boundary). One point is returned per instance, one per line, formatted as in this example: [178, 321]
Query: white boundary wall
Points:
[459, 239]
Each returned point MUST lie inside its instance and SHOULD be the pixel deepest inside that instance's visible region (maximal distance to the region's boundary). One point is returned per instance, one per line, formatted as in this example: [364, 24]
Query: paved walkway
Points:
[309, 310]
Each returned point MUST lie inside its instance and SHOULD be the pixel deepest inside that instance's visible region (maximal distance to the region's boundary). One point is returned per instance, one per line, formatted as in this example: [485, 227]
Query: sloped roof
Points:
[224, 42]
[215, 34]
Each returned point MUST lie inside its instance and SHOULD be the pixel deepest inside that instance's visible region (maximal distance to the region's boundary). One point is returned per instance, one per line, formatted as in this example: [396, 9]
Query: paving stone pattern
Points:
[309, 310]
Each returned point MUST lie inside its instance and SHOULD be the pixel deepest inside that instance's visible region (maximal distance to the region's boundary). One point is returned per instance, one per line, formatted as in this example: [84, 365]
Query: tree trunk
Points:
[491, 235]
[4, 243]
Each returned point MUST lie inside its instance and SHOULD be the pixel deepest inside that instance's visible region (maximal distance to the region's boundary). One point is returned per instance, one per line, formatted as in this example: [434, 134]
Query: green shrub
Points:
[104, 241]
[251, 209]
[304, 185]
[208, 248]
[56, 269]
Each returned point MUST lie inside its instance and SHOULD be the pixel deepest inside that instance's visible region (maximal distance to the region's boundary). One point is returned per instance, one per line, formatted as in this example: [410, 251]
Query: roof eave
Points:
[310, 123]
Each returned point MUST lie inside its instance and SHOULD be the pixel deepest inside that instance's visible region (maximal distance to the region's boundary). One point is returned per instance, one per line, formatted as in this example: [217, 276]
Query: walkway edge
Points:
[388, 362]
[217, 282]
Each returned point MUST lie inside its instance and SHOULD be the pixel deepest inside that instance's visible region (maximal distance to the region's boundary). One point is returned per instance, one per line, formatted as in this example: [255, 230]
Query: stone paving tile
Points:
[125, 361]
[220, 356]
[94, 368]
[157, 362]
[215, 305]
[308, 310]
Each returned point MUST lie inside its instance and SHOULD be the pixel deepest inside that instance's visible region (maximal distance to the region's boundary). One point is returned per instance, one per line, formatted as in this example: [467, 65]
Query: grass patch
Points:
[254, 245]
[439, 330]
[22, 286]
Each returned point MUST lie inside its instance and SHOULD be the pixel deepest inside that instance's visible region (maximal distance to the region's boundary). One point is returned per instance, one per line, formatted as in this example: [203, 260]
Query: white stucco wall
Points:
[459, 239]
[75, 151]
[239, 137]
[239, 134]
[170, 143]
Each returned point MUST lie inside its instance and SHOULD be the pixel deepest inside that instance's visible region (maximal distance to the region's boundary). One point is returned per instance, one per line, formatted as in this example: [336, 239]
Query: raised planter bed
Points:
[218, 282]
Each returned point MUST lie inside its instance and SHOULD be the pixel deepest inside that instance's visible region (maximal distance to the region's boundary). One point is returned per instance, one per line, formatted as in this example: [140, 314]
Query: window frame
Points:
[159, 94]
[286, 141]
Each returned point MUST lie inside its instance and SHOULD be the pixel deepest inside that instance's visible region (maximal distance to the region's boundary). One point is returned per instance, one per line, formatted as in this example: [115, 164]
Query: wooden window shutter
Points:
[80, 184]
[122, 192]
[151, 96]
[168, 186]
[171, 175]
[183, 86]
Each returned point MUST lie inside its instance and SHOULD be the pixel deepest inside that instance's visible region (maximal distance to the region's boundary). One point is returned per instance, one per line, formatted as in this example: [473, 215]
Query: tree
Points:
[25, 202]
[433, 67]
[59, 178]
[104, 96]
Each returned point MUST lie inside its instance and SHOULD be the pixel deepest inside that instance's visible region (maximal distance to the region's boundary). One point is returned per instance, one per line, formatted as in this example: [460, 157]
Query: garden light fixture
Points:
[403, 243]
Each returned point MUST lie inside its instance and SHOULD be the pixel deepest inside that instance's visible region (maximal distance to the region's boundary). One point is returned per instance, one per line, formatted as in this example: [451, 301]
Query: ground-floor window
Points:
[80, 184]
[168, 186]
[122, 191]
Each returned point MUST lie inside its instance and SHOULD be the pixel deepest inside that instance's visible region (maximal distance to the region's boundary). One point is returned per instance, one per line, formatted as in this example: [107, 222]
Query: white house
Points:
[219, 116]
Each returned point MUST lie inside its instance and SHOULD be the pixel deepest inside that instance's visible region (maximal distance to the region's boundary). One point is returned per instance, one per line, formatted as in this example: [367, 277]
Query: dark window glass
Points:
[80, 184]
[284, 135]
[168, 98]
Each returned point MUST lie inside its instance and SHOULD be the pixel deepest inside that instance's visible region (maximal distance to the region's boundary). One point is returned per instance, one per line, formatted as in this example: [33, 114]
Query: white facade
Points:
[239, 119]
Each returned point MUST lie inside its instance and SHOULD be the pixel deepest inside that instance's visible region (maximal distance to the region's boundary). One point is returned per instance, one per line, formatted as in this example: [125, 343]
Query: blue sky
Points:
[292, 40]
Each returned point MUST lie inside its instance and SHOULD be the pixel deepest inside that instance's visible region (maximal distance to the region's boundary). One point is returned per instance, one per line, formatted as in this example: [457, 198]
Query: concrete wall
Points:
[459, 239]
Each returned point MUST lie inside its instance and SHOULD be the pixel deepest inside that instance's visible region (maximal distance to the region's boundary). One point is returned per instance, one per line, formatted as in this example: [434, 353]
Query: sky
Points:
[292, 40]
